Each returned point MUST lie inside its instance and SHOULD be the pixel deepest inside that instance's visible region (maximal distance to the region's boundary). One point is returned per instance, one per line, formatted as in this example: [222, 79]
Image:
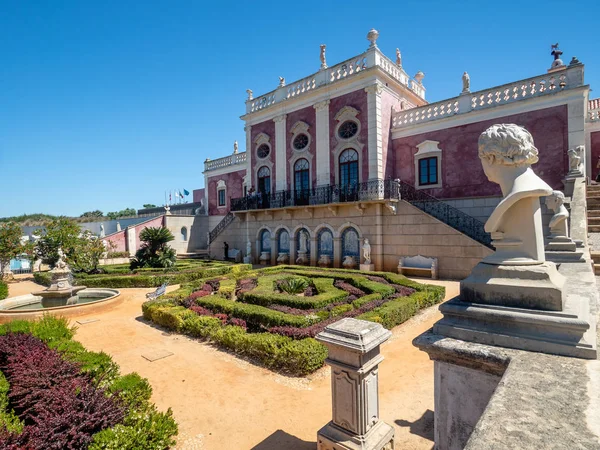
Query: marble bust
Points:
[558, 223]
[507, 152]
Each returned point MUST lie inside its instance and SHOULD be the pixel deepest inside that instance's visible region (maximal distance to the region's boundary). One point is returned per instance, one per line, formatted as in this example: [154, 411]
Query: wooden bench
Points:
[158, 292]
[418, 266]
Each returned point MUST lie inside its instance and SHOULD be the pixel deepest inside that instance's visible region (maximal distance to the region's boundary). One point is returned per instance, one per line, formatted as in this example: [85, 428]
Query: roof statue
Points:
[466, 80]
[250, 94]
[281, 82]
[398, 58]
[323, 58]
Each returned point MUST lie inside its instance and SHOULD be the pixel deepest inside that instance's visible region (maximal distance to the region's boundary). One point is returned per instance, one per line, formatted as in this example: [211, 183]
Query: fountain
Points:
[61, 291]
[61, 297]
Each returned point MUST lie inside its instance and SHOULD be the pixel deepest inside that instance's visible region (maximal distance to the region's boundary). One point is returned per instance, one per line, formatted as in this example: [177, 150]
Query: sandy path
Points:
[223, 402]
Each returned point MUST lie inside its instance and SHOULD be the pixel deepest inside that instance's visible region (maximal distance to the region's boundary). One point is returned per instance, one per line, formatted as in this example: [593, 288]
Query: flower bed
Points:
[54, 394]
[250, 314]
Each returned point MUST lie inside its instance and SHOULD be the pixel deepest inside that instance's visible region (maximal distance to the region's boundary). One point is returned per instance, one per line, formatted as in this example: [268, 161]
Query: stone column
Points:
[377, 247]
[249, 182]
[375, 131]
[292, 249]
[314, 251]
[337, 252]
[131, 241]
[322, 164]
[280, 153]
[354, 357]
[274, 252]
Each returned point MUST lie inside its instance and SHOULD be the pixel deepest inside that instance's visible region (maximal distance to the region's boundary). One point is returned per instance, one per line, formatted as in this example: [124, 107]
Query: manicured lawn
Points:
[249, 312]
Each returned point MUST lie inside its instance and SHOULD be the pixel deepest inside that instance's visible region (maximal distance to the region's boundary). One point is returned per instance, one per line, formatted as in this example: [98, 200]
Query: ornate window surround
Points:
[260, 139]
[337, 151]
[428, 149]
[259, 164]
[300, 127]
[343, 115]
[184, 234]
[292, 162]
[221, 186]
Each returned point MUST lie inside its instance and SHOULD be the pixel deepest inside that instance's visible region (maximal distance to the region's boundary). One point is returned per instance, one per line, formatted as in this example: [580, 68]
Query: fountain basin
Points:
[85, 301]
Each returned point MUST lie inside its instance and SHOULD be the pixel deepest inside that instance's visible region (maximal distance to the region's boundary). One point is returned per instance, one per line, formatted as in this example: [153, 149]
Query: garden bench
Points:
[158, 292]
[418, 266]
[235, 255]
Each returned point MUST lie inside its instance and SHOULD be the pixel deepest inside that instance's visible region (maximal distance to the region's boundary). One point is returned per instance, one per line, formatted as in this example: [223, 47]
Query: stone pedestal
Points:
[349, 262]
[367, 267]
[302, 258]
[265, 258]
[247, 259]
[354, 357]
[61, 292]
[324, 261]
[283, 258]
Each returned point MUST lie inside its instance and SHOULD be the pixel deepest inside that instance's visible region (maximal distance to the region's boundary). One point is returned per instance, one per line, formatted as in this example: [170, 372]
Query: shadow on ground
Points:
[421, 427]
[282, 440]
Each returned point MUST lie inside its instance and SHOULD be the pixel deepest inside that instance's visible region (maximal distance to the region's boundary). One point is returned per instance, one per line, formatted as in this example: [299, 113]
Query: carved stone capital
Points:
[376, 89]
[280, 118]
[248, 128]
[322, 105]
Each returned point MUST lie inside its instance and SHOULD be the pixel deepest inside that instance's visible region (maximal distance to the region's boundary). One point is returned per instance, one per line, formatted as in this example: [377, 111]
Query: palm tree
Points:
[154, 252]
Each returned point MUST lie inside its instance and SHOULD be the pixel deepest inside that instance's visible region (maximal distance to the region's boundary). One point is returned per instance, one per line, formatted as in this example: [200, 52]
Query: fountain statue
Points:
[61, 291]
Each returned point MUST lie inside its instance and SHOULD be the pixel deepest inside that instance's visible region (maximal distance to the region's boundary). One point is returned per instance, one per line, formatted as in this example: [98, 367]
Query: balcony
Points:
[376, 190]
[226, 161]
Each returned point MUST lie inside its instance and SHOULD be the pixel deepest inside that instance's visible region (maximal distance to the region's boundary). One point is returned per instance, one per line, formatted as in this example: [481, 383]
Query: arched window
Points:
[283, 241]
[184, 234]
[302, 235]
[350, 243]
[302, 181]
[264, 180]
[348, 162]
[325, 240]
[265, 241]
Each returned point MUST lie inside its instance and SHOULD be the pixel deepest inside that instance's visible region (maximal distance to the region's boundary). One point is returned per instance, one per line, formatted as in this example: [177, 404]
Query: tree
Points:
[88, 251]
[127, 212]
[59, 233]
[149, 205]
[93, 214]
[154, 252]
[11, 246]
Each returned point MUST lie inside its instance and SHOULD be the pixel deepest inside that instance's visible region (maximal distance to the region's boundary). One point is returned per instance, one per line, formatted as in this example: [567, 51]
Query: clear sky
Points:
[105, 105]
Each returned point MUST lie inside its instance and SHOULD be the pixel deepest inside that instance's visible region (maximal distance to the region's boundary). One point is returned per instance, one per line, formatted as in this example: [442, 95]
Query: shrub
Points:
[111, 255]
[43, 278]
[154, 252]
[3, 290]
[132, 389]
[293, 285]
[9, 422]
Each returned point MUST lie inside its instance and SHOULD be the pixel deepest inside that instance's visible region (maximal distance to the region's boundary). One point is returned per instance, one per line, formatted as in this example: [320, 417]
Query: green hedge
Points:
[264, 295]
[9, 421]
[3, 290]
[297, 357]
[140, 281]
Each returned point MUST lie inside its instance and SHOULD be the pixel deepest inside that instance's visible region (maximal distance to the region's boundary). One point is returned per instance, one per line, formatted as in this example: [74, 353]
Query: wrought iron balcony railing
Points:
[322, 195]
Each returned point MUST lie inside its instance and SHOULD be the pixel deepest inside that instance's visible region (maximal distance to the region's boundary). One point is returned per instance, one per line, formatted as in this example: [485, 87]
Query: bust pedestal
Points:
[367, 267]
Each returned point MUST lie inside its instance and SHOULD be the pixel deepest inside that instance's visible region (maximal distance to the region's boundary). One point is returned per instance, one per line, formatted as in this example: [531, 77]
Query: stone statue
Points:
[102, 230]
[281, 82]
[323, 60]
[235, 147]
[167, 213]
[118, 226]
[507, 153]
[558, 223]
[556, 52]
[250, 94]
[466, 80]
[398, 58]
[303, 243]
[61, 263]
[248, 248]
[367, 251]
[574, 159]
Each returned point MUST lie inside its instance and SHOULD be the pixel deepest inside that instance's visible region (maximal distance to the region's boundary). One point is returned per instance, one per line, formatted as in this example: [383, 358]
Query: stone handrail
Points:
[569, 78]
[236, 158]
[371, 58]
[594, 110]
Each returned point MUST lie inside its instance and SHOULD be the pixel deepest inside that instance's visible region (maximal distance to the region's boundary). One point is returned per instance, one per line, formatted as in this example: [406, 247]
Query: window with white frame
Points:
[221, 194]
[428, 165]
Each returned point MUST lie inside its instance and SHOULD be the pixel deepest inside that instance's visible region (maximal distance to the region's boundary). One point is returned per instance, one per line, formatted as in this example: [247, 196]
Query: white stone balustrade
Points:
[594, 110]
[238, 158]
[371, 58]
[569, 78]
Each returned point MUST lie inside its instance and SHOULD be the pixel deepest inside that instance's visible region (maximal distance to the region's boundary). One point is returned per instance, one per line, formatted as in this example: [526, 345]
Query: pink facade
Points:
[357, 100]
[267, 127]
[388, 102]
[595, 143]
[460, 157]
[120, 238]
[307, 115]
[198, 195]
[234, 189]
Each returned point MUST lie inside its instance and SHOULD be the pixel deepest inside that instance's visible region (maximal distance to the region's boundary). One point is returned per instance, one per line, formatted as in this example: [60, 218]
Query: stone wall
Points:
[479, 207]
[195, 236]
[407, 233]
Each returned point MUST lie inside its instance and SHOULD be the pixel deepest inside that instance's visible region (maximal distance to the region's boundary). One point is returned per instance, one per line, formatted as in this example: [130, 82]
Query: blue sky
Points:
[105, 105]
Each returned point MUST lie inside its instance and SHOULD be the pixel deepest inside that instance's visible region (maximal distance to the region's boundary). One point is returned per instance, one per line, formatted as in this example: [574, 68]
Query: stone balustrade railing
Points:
[594, 110]
[214, 164]
[569, 78]
[371, 58]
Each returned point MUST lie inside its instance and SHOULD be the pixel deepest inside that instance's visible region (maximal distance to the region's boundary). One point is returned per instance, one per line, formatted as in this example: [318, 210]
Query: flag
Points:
[169, 196]
[180, 194]
[186, 192]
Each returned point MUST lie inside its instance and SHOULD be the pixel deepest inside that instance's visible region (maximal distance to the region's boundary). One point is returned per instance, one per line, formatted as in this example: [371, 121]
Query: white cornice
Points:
[227, 169]
[547, 101]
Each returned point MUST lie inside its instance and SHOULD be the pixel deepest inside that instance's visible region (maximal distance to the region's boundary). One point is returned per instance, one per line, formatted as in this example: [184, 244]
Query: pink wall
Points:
[156, 222]
[387, 102]
[595, 138]
[119, 239]
[197, 195]
[234, 184]
[267, 127]
[358, 100]
[307, 115]
[462, 174]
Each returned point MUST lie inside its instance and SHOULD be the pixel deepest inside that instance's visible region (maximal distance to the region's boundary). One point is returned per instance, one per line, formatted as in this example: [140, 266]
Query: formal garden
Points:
[55, 394]
[272, 315]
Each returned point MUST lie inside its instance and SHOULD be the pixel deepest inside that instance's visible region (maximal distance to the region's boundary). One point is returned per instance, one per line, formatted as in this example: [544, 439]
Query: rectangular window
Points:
[221, 197]
[428, 171]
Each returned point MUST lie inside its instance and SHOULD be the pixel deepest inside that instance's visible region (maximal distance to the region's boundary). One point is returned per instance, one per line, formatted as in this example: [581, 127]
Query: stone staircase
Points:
[593, 217]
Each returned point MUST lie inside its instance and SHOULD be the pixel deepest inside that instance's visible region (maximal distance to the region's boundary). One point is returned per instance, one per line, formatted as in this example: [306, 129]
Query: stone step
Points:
[593, 228]
[593, 213]
[597, 269]
[595, 257]
[593, 187]
[593, 220]
[593, 202]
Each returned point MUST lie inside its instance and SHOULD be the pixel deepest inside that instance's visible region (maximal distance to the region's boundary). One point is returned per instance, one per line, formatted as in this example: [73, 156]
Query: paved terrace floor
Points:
[223, 402]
